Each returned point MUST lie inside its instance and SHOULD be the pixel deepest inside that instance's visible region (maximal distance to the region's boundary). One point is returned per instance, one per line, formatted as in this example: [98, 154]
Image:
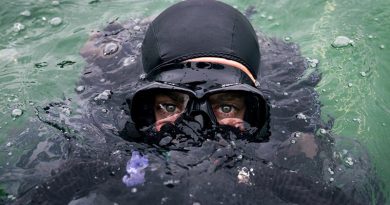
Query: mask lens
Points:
[229, 108]
[158, 106]
[239, 109]
[168, 106]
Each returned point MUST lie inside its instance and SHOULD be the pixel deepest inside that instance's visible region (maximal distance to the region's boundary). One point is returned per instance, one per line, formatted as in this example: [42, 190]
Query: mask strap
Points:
[225, 61]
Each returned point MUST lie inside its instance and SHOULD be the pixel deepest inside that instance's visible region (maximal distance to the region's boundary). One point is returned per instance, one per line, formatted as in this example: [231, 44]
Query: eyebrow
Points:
[177, 97]
[228, 96]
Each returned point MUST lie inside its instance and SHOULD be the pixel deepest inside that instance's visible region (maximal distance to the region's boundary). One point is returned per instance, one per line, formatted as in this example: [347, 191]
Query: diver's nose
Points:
[201, 118]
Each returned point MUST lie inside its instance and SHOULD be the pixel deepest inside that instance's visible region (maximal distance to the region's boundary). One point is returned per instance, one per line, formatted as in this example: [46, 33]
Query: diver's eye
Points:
[226, 108]
[169, 107]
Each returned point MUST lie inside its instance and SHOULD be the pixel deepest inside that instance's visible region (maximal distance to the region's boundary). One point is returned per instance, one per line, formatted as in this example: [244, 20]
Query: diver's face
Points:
[228, 108]
[168, 107]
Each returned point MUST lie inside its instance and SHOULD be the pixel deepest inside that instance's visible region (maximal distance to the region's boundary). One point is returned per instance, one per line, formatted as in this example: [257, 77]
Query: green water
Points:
[359, 103]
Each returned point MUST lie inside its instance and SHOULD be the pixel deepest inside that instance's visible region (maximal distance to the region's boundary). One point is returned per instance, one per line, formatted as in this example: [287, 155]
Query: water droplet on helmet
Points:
[137, 28]
[142, 76]
[128, 61]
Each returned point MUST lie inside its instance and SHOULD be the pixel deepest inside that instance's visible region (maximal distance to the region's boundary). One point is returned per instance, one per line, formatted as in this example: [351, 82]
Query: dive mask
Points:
[204, 96]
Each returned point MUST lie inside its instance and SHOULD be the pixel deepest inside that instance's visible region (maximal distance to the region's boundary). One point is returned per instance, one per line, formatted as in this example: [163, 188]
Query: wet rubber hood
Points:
[200, 28]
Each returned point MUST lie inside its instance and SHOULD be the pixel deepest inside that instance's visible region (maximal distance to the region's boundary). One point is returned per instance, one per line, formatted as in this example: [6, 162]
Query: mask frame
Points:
[198, 80]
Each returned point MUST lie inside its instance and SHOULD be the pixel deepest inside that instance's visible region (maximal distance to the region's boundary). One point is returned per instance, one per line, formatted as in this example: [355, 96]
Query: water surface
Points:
[31, 74]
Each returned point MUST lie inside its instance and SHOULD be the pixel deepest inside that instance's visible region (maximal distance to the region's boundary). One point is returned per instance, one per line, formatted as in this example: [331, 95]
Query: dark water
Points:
[84, 159]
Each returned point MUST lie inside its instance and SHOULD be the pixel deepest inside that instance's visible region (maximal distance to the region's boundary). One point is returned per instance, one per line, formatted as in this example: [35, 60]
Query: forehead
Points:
[176, 96]
[227, 96]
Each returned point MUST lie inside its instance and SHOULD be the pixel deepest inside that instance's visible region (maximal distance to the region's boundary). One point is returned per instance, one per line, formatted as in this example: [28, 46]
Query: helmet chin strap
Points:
[224, 61]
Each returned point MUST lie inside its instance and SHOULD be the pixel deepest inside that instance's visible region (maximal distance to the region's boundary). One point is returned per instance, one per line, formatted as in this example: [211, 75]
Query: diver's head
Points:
[200, 28]
[201, 60]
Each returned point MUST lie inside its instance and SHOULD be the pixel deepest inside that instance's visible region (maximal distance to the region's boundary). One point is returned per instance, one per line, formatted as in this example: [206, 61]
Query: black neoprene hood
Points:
[200, 28]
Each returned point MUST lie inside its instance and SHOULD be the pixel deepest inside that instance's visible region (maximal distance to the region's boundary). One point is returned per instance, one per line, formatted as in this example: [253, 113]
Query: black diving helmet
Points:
[210, 96]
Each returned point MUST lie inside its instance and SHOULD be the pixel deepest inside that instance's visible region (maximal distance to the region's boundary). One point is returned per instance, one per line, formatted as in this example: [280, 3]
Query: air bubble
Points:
[66, 111]
[301, 116]
[358, 120]
[129, 60]
[349, 161]
[322, 131]
[142, 76]
[313, 62]
[18, 27]
[80, 88]
[55, 21]
[11, 197]
[137, 28]
[16, 112]
[105, 95]
[25, 13]
[293, 141]
[330, 171]
[297, 135]
[243, 175]
[110, 48]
